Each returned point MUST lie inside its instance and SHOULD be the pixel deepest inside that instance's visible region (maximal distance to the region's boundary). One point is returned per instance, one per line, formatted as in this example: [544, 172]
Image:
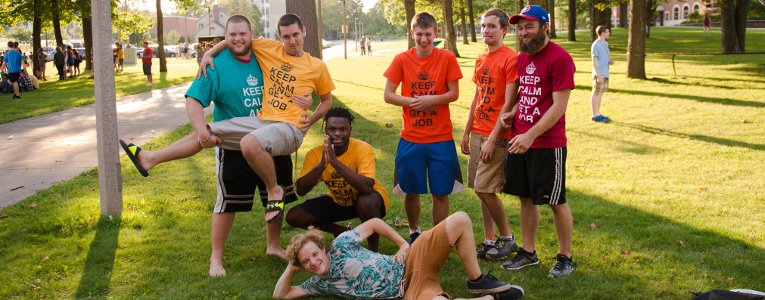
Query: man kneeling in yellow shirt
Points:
[347, 166]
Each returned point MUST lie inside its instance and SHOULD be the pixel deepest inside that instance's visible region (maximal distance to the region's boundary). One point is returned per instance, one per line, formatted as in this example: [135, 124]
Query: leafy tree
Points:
[173, 37]
[132, 26]
[21, 34]
[733, 19]
[247, 9]
[636, 39]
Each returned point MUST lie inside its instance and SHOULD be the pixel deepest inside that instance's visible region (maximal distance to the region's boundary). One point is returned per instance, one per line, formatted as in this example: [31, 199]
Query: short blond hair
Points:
[298, 241]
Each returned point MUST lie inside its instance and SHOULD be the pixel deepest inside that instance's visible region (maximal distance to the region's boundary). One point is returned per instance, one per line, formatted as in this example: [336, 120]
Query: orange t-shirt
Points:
[493, 71]
[285, 75]
[425, 76]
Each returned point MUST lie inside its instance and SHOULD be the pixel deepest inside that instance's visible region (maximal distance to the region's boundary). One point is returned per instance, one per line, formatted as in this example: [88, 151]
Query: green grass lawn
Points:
[55, 95]
[667, 199]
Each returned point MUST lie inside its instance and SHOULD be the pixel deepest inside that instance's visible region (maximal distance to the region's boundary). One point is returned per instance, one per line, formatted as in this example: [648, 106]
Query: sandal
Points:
[275, 205]
[132, 152]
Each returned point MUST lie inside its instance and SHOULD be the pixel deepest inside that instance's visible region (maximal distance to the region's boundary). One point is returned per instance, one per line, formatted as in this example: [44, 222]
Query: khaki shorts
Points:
[486, 177]
[277, 138]
[601, 87]
[423, 265]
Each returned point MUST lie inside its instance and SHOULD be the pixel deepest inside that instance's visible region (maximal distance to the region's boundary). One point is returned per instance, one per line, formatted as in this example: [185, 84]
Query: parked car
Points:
[169, 51]
[325, 43]
[49, 51]
[82, 52]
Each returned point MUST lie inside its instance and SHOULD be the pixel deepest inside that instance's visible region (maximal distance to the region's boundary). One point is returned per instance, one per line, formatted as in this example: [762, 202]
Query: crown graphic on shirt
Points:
[423, 75]
[530, 69]
[486, 71]
[252, 81]
[286, 67]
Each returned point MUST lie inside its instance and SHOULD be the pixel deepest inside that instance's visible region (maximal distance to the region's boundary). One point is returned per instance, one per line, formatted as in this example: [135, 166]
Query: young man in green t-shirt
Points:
[237, 92]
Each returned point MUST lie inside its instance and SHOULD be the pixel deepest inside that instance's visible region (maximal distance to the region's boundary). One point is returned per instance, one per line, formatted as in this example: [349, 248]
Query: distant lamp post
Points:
[345, 31]
[356, 33]
[209, 20]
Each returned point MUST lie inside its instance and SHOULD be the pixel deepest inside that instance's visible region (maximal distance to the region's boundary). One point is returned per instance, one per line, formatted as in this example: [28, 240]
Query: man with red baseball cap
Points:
[536, 164]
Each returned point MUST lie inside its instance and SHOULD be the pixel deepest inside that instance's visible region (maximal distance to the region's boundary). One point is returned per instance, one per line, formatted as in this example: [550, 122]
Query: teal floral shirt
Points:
[355, 272]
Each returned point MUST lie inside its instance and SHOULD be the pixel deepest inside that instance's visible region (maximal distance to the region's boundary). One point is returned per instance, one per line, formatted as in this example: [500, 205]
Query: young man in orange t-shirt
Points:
[426, 155]
[485, 140]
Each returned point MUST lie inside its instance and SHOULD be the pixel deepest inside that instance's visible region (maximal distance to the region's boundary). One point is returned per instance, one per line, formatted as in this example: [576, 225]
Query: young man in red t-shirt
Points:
[496, 79]
[426, 155]
[146, 60]
[536, 163]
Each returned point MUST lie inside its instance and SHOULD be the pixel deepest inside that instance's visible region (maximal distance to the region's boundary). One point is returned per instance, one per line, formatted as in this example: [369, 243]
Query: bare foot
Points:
[217, 270]
[144, 157]
[278, 252]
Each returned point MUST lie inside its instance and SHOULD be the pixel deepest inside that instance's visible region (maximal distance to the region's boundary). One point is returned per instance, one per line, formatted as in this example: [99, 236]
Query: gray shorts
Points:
[277, 138]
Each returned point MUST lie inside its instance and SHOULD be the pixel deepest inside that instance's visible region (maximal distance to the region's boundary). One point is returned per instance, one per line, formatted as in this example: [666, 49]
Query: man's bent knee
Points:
[294, 220]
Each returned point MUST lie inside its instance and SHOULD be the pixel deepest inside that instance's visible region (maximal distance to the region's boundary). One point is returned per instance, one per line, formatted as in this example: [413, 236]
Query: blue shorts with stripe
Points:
[423, 166]
[539, 174]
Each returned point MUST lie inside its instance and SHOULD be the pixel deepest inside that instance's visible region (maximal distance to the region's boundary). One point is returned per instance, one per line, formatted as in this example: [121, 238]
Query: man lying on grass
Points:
[346, 269]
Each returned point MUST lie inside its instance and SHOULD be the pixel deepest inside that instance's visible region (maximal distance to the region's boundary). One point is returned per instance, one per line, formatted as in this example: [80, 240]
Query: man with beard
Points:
[293, 75]
[237, 92]
[485, 141]
[426, 159]
[347, 167]
[536, 164]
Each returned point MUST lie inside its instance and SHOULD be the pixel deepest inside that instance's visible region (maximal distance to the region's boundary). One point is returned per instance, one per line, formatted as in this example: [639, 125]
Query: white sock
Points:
[414, 230]
[488, 242]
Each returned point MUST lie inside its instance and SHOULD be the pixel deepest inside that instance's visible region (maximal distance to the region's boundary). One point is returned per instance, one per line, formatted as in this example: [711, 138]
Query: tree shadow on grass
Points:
[625, 145]
[97, 273]
[697, 137]
[721, 101]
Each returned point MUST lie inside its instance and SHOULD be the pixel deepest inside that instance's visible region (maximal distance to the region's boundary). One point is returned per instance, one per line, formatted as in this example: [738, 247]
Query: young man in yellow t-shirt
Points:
[347, 167]
[292, 75]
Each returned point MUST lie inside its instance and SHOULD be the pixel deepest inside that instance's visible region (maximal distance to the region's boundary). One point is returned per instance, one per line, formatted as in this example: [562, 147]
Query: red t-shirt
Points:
[493, 71]
[550, 70]
[147, 51]
[425, 76]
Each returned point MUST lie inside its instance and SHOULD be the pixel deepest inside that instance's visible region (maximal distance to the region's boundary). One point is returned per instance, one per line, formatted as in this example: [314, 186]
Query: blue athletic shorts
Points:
[434, 165]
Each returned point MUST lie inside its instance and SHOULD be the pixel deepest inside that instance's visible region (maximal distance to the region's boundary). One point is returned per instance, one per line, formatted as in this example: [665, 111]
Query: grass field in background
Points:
[55, 95]
[667, 199]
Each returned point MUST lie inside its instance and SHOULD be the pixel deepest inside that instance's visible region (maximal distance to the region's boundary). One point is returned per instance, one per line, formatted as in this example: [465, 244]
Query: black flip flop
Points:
[275, 205]
[132, 152]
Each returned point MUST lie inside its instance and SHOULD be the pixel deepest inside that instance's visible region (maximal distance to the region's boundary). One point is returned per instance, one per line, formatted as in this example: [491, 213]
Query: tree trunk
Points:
[623, 10]
[451, 37]
[56, 23]
[161, 40]
[464, 26]
[636, 40]
[739, 13]
[409, 8]
[551, 11]
[542, 3]
[728, 27]
[87, 32]
[36, 30]
[308, 14]
[472, 21]
[599, 17]
[572, 20]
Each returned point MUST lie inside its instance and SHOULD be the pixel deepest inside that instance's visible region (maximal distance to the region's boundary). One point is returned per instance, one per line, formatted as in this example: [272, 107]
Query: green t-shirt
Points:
[234, 86]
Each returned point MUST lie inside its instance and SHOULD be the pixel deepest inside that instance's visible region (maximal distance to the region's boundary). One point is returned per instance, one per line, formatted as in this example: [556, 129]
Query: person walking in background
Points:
[69, 61]
[77, 61]
[369, 45]
[362, 43]
[59, 59]
[146, 60]
[707, 23]
[40, 62]
[601, 60]
[120, 58]
[12, 63]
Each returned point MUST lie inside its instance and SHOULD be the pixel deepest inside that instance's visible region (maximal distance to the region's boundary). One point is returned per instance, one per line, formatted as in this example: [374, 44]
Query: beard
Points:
[534, 44]
[245, 50]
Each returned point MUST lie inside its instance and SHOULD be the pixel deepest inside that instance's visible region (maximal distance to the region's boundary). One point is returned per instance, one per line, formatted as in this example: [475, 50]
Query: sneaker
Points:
[515, 292]
[600, 119]
[481, 249]
[16, 97]
[149, 84]
[521, 260]
[502, 249]
[563, 266]
[486, 284]
[413, 236]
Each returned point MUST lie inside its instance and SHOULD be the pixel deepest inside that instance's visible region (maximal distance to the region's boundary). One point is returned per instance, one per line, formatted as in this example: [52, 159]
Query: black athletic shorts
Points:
[14, 77]
[237, 181]
[325, 210]
[539, 174]
[146, 69]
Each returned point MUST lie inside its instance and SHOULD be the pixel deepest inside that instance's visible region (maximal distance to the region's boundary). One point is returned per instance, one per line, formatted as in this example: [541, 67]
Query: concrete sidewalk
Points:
[38, 152]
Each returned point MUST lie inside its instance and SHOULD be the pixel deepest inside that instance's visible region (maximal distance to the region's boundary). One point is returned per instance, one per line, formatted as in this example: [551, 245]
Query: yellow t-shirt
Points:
[285, 75]
[120, 53]
[360, 158]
